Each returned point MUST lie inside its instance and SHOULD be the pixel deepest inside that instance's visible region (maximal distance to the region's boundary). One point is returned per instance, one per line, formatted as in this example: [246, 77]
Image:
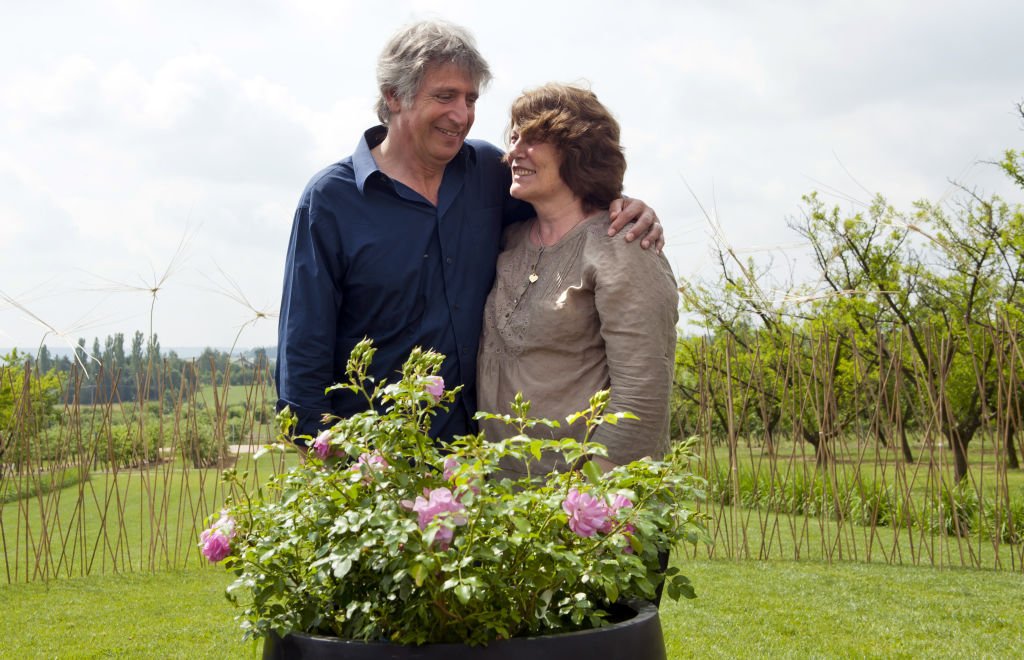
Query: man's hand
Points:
[627, 210]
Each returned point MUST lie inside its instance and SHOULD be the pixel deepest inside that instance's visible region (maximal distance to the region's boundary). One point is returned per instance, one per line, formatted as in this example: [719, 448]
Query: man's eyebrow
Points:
[454, 90]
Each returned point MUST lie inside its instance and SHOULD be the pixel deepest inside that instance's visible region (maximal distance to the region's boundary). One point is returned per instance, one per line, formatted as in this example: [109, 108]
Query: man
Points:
[398, 241]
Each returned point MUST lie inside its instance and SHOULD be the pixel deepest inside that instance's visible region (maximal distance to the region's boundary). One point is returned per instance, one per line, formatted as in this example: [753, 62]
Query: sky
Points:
[163, 146]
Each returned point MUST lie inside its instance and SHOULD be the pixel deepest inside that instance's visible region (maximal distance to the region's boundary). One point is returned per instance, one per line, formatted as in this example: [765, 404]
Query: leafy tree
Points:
[28, 405]
[930, 300]
[870, 287]
[45, 360]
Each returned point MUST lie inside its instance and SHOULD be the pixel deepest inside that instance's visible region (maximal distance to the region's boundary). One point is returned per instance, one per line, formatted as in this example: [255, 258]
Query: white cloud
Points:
[192, 117]
[124, 124]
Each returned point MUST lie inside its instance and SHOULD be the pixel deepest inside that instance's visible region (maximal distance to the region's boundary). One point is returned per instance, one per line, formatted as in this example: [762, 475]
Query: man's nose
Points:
[460, 111]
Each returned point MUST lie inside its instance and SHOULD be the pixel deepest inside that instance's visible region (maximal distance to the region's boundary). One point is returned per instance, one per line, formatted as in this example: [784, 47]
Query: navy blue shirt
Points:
[370, 257]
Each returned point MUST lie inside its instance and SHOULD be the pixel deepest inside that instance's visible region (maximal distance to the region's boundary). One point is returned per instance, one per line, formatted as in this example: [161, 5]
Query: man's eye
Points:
[471, 100]
[444, 98]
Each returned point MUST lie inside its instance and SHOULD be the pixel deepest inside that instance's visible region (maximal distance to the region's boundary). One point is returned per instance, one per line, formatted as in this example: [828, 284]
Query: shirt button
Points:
[426, 256]
[448, 260]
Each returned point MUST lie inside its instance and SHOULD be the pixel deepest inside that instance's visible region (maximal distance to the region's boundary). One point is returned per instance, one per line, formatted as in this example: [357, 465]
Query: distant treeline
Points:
[114, 370]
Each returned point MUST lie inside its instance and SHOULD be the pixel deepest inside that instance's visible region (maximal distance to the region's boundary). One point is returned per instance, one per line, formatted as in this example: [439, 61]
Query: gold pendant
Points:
[533, 278]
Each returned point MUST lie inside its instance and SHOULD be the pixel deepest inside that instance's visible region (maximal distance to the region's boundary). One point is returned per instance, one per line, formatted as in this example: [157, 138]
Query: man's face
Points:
[440, 116]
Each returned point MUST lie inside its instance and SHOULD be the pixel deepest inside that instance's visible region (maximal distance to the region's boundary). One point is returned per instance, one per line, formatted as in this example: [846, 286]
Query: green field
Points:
[118, 521]
[108, 566]
[148, 519]
[743, 609]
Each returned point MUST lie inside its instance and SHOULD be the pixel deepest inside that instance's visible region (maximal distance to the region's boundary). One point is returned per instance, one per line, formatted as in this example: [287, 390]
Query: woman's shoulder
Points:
[595, 227]
[612, 254]
[598, 239]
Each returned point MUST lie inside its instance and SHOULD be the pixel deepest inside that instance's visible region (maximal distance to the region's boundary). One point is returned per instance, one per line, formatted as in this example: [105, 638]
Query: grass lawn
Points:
[810, 609]
[744, 609]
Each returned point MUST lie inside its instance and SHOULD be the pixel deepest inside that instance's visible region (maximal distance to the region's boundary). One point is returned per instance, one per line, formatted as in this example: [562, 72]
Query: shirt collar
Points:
[364, 165]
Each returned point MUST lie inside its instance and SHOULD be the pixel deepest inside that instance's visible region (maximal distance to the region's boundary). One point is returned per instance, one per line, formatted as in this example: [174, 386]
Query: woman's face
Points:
[535, 166]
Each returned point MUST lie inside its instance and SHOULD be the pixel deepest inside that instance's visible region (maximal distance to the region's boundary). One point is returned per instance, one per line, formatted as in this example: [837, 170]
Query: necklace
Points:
[533, 269]
[535, 230]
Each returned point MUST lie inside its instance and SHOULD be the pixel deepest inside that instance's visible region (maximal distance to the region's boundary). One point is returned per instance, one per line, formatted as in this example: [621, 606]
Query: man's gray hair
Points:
[404, 60]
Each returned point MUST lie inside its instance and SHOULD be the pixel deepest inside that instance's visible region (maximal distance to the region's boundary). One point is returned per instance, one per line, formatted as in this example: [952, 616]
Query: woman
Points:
[573, 311]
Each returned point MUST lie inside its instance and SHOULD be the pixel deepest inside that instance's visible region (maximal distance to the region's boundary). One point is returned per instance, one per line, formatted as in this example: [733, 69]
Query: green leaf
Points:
[592, 471]
[342, 568]
[680, 584]
[463, 592]
[419, 574]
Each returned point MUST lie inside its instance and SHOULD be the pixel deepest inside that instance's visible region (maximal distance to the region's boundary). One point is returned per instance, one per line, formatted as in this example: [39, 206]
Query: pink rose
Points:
[322, 445]
[451, 468]
[439, 504]
[435, 387]
[372, 462]
[215, 542]
[215, 546]
[587, 514]
[444, 536]
[620, 502]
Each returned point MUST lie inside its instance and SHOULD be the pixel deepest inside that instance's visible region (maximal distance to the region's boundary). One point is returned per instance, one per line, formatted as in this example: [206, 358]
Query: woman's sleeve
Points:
[636, 297]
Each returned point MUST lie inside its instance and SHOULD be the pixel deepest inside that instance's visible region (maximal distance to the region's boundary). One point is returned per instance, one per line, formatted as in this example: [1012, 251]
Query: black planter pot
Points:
[635, 638]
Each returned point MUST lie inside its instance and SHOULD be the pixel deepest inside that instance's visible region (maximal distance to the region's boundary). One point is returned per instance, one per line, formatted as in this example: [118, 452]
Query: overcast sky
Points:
[133, 132]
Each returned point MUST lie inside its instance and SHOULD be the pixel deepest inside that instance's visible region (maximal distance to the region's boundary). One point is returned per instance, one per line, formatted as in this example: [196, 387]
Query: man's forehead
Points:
[449, 77]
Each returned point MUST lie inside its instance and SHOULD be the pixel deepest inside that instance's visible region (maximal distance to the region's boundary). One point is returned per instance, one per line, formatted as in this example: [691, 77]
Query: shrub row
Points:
[16, 487]
[99, 444]
[953, 511]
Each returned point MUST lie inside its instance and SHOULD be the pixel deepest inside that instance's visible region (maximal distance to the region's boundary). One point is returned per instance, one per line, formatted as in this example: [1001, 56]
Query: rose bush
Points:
[381, 533]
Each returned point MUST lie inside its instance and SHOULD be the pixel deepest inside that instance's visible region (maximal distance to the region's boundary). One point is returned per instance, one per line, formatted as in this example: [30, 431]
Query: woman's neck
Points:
[557, 218]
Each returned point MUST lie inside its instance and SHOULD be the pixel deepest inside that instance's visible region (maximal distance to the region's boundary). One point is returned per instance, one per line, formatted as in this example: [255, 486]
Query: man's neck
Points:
[424, 178]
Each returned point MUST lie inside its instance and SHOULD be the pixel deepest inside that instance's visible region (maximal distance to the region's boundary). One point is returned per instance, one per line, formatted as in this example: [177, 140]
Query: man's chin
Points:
[448, 152]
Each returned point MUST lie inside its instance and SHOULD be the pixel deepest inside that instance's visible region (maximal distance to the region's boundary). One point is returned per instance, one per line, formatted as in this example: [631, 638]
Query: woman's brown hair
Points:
[585, 134]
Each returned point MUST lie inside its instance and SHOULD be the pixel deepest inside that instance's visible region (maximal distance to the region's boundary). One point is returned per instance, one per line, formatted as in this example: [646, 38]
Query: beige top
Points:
[601, 313]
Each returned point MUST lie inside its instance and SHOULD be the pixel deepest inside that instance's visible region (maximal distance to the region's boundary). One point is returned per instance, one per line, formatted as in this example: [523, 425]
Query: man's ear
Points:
[394, 103]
